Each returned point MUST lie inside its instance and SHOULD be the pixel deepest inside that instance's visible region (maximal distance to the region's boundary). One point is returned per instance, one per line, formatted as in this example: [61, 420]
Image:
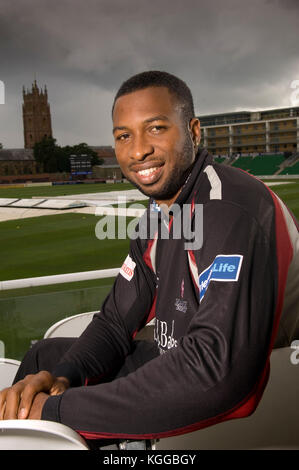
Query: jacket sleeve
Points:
[105, 343]
[220, 365]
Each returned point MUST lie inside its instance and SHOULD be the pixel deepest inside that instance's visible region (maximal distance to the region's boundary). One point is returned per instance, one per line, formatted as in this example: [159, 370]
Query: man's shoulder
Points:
[231, 185]
[227, 191]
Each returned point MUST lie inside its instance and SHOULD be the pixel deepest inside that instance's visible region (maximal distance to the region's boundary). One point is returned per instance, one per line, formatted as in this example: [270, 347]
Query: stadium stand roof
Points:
[247, 116]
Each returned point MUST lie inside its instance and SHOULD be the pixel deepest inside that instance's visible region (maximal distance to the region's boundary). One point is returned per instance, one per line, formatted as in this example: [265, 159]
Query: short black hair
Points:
[156, 78]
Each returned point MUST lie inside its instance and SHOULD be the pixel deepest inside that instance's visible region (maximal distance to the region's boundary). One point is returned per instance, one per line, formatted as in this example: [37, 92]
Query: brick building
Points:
[36, 115]
[17, 162]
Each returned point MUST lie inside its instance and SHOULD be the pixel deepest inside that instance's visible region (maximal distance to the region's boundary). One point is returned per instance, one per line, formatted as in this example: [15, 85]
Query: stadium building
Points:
[251, 132]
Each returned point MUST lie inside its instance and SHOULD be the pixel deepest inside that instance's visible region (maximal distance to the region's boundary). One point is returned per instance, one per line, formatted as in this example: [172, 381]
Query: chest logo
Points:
[181, 305]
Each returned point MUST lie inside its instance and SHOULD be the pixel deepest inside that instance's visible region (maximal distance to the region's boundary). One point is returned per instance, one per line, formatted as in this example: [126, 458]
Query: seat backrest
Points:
[75, 325]
[274, 424]
[8, 370]
[70, 327]
[31, 434]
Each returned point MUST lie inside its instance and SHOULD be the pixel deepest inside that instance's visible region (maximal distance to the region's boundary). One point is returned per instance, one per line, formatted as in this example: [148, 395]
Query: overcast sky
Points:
[234, 55]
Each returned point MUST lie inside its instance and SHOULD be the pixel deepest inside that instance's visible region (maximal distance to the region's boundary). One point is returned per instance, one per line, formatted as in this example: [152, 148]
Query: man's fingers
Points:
[16, 401]
[3, 394]
[12, 401]
[60, 385]
[35, 384]
[26, 400]
[28, 395]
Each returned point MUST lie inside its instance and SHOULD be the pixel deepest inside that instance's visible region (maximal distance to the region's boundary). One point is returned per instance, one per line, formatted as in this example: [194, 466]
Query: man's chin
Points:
[147, 191]
[158, 195]
[163, 193]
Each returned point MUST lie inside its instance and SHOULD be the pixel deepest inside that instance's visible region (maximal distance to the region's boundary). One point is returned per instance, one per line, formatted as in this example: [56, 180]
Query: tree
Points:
[1, 146]
[46, 154]
[52, 158]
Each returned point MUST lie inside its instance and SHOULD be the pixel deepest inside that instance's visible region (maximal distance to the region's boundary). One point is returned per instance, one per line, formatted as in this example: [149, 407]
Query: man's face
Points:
[153, 145]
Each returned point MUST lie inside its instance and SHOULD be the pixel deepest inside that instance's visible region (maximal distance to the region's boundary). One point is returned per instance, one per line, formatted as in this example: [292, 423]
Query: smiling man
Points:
[219, 309]
[155, 151]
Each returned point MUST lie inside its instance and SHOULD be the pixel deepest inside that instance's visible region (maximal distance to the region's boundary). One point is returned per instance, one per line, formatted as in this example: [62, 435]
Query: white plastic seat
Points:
[45, 435]
[33, 434]
[71, 326]
[75, 325]
[8, 370]
[274, 424]
[38, 435]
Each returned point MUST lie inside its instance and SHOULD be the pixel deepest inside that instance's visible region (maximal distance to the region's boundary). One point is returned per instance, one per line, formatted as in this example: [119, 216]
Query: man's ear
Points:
[194, 127]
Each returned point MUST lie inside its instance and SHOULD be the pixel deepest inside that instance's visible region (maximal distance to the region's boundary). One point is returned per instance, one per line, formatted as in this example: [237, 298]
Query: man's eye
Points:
[122, 137]
[157, 129]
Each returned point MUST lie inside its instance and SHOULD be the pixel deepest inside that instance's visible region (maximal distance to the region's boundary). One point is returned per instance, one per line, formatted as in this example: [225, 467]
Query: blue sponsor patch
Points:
[223, 269]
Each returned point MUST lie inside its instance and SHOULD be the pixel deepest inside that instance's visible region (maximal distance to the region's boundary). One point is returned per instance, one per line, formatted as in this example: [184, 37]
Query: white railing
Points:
[58, 279]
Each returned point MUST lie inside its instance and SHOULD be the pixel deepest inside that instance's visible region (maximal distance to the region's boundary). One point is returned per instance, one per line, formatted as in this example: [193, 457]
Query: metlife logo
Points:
[224, 268]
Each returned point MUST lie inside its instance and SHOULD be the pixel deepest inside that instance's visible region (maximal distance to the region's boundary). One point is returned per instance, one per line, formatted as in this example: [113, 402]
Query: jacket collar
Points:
[192, 177]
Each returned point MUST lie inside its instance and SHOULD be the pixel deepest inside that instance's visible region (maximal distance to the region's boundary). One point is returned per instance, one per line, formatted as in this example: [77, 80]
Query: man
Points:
[219, 306]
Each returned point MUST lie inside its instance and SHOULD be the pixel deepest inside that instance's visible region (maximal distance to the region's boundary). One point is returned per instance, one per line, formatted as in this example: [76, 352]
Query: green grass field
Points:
[289, 193]
[66, 243]
[59, 244]
[55, 244]
[46, 245]
[26, 314]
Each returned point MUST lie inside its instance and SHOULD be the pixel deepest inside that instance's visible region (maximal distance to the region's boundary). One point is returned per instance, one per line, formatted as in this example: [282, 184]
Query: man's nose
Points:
[141, 148]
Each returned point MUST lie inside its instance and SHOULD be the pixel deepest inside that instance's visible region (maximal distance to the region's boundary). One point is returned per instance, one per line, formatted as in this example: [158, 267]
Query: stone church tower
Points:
[36, 115]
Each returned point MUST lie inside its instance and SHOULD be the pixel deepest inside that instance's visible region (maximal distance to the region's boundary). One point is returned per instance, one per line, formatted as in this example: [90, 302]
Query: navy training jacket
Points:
[221, 303]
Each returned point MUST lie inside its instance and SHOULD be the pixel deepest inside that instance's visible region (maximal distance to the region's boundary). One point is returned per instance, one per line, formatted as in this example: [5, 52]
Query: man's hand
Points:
[16, 401]
[37, 405]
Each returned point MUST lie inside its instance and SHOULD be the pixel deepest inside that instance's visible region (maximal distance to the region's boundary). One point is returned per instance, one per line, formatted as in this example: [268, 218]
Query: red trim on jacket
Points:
[146, 255]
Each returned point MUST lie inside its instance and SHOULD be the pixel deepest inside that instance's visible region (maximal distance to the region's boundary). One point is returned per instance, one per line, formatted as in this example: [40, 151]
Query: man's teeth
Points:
[147, 172]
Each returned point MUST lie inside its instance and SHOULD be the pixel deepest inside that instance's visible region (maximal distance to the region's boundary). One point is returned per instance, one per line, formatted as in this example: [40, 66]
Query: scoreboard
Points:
[80, 165]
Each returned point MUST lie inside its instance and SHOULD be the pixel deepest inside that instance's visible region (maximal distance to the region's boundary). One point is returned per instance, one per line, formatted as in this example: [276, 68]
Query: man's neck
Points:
[168, 202]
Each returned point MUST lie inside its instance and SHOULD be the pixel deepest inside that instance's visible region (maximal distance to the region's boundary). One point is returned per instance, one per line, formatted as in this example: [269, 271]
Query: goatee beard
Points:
[178, 175]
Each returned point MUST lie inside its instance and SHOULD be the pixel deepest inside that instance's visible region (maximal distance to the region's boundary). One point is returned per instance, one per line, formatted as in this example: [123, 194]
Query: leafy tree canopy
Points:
[52, 158]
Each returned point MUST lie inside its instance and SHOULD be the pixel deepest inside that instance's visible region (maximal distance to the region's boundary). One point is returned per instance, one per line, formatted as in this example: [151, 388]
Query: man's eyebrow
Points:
[119, 128]
[159, 117]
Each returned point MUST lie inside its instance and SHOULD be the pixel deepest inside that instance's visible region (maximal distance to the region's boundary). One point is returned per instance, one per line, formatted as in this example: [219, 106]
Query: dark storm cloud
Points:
[234, 54]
